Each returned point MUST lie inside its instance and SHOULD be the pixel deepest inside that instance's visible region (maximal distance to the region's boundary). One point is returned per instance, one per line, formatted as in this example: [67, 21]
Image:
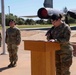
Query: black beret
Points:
[11, 20]
[56, 16]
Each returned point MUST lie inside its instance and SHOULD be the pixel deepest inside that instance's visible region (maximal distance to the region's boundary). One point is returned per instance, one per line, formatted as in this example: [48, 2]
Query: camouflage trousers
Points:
[63, 63]
[12, 50]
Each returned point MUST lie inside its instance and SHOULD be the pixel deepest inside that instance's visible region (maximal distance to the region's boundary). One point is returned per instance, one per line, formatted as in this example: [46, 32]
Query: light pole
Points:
[9, 10]
[3, 26]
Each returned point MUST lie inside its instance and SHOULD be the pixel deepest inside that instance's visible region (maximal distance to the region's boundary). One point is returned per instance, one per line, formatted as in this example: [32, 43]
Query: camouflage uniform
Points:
[62, 34]
[0, 39]
[13, 39]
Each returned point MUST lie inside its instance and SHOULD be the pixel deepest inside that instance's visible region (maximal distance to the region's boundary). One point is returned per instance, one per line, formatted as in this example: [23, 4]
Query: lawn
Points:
[29, 26]
[34, 26]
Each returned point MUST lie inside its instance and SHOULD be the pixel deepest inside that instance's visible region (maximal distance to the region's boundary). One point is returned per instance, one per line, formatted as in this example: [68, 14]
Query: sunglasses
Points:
[53, 21]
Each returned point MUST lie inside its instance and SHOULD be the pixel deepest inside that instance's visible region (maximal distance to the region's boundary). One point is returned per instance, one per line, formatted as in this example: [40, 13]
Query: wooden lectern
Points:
[42, 56]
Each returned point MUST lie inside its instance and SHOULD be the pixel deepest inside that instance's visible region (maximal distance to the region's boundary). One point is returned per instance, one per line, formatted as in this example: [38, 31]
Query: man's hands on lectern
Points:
[52, 40]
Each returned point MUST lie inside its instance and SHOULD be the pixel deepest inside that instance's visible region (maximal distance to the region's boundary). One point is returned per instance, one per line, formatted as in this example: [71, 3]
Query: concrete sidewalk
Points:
[24, 63]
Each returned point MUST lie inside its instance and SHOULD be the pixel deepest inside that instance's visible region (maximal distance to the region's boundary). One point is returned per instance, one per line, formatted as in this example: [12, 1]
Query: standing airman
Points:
[13, 39]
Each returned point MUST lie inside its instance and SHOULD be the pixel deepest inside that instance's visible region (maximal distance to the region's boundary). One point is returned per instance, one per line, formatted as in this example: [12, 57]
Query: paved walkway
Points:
[23, 65]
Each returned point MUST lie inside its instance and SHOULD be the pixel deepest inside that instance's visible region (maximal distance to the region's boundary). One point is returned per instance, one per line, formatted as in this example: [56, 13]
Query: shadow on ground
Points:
[4, 68]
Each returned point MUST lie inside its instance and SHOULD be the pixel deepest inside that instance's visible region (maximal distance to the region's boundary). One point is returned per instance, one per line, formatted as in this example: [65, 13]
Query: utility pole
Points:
[9, 11]
[3, 26]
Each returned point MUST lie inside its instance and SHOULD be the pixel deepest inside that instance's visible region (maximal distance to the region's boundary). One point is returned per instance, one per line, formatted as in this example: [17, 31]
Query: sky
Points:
[30, 7]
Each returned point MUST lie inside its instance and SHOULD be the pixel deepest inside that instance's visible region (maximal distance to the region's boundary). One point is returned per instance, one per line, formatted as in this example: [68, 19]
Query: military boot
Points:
[14, 64]
[10, 65]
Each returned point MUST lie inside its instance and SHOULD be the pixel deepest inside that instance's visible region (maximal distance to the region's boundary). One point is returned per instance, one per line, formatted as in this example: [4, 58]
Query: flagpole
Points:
[3, 27]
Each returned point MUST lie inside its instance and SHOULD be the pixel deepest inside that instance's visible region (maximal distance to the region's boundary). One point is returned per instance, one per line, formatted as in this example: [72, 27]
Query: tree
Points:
[20, 21]
[41, 21]
[29, 22]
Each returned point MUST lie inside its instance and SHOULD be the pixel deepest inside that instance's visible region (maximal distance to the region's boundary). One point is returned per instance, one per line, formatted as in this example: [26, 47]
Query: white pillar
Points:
[3, 27]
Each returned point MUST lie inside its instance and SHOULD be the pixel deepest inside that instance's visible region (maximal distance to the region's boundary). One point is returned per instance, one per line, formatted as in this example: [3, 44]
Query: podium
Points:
[42, 56]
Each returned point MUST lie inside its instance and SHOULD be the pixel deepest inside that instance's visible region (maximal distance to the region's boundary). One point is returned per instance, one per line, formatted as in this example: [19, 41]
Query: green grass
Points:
[34, 26]
[29, 26]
